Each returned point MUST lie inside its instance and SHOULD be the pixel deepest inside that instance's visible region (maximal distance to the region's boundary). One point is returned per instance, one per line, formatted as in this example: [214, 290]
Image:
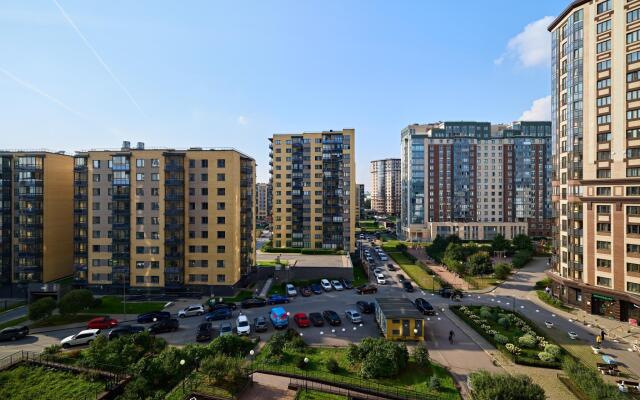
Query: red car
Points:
[302, 320]
[102, 323]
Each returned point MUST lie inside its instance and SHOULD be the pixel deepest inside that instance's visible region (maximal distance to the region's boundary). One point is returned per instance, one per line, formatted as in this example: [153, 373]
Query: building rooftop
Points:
[308, 260]
[566, 12]
[398, 308]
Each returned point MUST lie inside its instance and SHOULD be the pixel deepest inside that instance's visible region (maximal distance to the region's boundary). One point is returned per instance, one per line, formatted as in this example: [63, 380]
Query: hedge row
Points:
[521, 258]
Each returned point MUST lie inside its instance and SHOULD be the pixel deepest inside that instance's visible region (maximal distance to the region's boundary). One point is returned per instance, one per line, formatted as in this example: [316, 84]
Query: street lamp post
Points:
[182, 363]
[306, 377]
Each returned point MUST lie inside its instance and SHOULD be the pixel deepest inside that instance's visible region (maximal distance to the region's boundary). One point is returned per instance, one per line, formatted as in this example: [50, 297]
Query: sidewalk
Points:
[444, 274]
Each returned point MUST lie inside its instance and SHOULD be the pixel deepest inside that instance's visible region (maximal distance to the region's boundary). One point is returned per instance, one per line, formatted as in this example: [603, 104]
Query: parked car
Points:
[226, 328]
[378, 271]
[325, 285]
[219, 306]
[366, 289]
[407, 286]
[391, 267]
[153, 316]
[13, 333]
[191, 311]
[332, 317]
[277, 299]
[219, 314]
[242, 325]
[451, 292]
[424, 306]
[365, 307]
[401, 278]
[305, 291]
[316, 319]
[301, 320]
[337, 285]
[102, 323]
[83, 337]
[316, 288]
[348, 284]
[123, 330]
[212, 303]
[165, 325]
[253, 302]
[291, 290]
[260, 324]
[380, 280]
[383, 257]
[205, 332]
[353, 315]
[279, 318]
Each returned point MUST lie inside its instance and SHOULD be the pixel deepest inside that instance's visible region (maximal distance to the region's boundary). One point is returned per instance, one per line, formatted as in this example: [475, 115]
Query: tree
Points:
[486, 386]
[41, 308]
[378, 357]
[224, 371]
[522, 242]
[480, 264]
[502, 271]
[75, 301]
[499, 243]
[421, 355]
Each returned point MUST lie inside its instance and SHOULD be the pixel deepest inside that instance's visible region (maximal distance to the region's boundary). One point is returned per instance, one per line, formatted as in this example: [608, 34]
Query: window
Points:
[221, 249]
[204, 163]
[633, 114]
[633, 95]
[220, 206]
[603, 6]
[139, 206]
[633, 152]
[155, 163]
[139, 235]
[604, 83]
[140, 163]
[204, 177]
[602, 281]
[221, 177]
[204, 234]
[604, 26]
[633, 76]
[633, 36]
[633, 210]
[601, 47]
[221, 191]
[602, 245]
[633, 57]
[603, 155]
[603, 191]
[603, 101]
[633, 287]
[139, 177]
[633, 267]
[633, 133]
[603, 209]
[204, 191]
[139, 249]
[155, 177]
[604, 119]
[221, 163]
[633, 15]
[604, 137]
[221, 234]
[602, 263]
[633, 172]
[96, 177]
[220, 278]
[633, 190]
[633, 248]
[603, 227]
[221, 220]
[604, 173]
[96, 164]
[220, 263]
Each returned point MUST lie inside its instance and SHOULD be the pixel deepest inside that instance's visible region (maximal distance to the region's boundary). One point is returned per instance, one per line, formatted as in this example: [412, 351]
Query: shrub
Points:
[378, 357]
[421, 355]
[502, 271]
[504, 323]
[224, 371]
[546, 357]
[434, 383]
[552, 349]
[589, 381]
[501, 339]
[231, 345]
[522, 242]
[75, 301]
[41, 308]
[274, 349]
[480, 264]
[527, 341]
[486, 314]
[299, 361]
[486, 386]
[521, 258]
[332, 365]
[295, 344]
[513, 349]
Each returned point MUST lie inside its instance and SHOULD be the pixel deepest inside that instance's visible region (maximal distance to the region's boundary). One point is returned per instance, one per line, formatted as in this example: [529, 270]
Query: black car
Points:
[153, 316]
[316, 288]
[347, 284]
[166, 325]
[14, 333]
[205, 332]
[219, 314]
[253, 302]
[305, 291]
[401, 278]
[332, 317]
[217, 305]
[407, 286]
[260, 324]
[366, 289]
[122, 330]
[390, 267]
[316, 319]
[365, 307]
[450, 292]
[424, 307]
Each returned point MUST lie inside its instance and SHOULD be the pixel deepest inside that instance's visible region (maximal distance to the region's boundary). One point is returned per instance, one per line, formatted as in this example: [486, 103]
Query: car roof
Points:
[300, 314]
[351, 310]
[89, 331]
[278, 310]
[242, 317]
[194, 305]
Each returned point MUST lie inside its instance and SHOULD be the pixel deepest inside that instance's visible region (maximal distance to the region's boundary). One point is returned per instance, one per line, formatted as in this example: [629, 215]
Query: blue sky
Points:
[88, 74]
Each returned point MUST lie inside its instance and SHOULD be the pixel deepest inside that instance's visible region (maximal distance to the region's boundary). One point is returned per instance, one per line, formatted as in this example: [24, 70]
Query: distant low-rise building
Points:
[399, 319]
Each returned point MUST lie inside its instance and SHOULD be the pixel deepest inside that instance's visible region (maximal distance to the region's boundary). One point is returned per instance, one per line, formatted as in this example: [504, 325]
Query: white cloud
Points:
[242, 120]
[531, 47]
[540, 110]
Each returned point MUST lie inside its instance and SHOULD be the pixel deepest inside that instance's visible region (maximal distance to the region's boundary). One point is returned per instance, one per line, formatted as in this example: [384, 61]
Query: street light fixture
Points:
[306, 365]
[182, 363]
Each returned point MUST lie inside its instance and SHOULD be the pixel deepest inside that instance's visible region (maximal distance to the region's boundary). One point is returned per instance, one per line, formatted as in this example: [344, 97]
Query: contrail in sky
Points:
[34, 89]
[97, 55]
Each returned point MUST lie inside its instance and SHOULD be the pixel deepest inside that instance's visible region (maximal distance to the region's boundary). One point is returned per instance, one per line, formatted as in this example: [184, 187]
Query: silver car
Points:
[226, 328]
[353, 315]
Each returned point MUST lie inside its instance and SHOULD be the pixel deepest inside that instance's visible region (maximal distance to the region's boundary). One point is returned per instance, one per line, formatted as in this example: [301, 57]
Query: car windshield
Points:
[243, 323]
[355, 315]
[225, 328]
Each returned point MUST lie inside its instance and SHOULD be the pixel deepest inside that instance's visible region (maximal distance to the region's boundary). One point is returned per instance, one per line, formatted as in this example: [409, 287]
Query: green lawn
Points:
[12, 306]
[359, 278]
[196, 383]
[30, 382]
[552, 301]
[13, 322]
[56, 320]
[417, 273]
[241, 295]
[113, 305]
[477, 282]
[413, 378]
[268, 263]
[308, 394]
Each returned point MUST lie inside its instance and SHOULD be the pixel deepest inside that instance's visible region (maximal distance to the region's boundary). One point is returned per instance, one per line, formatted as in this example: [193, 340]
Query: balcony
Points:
[173, 256]
[174, 182]
[80, 267]
[174, 197]
[121, 225]
[174, 211]
[81, 183]
[121, 211]
[28, 268]
[120, 255]
[29, 211]
[173, 227]
[174, 167]
[30, 196]
[119, 269]
[116, 196]
[173, 240]
[80, 252]
[120, 167]
[173, 270]
[28, 167]
[80, 211]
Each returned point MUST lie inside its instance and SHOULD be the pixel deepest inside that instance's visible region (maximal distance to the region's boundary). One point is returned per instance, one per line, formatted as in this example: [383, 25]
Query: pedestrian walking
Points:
[598, 340]
[451, 335]
[602, 334]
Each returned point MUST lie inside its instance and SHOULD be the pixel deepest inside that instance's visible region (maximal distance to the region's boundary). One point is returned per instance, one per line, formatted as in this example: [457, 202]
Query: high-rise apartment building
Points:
[36, 216]
[475, 180]
[596, 155]
[164, 218]
[359, 201]
[313, 178]
[263, 199]
[385, 186]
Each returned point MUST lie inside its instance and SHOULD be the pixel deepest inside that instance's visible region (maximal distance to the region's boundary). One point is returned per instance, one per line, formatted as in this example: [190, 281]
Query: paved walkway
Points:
[447, 276]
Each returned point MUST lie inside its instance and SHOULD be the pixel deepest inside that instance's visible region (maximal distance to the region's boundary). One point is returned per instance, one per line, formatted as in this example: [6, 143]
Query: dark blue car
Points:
[216, 315]
[277, 299]
[316, 288]
[153, 316]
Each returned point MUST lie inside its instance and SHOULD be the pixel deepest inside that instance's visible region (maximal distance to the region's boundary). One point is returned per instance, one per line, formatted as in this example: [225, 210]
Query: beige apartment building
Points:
[36, 216]
[385, 186]
[596, 183]
[263, 202]
[164, 218]
[313, 178]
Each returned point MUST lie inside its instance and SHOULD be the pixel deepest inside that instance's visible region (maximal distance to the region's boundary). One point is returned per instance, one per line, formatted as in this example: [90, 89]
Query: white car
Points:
[291, 290]
[384, 257]
[337, 285]
[83, 337]
[380, 279]
[192, 310]
[325, 285]
[242, 325]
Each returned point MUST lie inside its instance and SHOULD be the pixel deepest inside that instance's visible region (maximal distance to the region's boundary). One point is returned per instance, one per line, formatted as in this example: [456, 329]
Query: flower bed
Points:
[513, 334]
